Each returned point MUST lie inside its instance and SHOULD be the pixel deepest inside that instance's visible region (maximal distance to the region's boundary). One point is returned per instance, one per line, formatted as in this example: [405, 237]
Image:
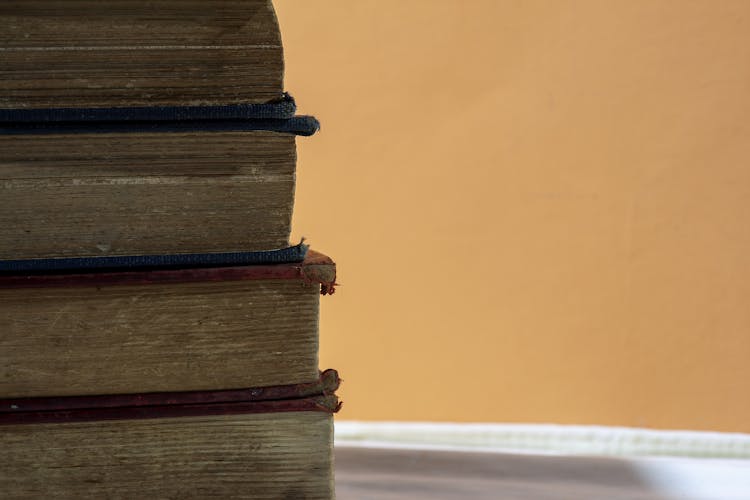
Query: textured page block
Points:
[88, 53]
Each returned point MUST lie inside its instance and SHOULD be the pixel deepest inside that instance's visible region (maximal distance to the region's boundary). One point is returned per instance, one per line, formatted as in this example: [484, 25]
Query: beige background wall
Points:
[539, 209]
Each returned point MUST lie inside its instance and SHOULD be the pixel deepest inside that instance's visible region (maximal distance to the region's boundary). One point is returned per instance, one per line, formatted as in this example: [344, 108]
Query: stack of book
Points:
[158, 334]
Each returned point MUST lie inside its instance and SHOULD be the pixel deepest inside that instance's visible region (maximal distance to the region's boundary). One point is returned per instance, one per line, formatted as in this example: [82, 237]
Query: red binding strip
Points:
[328, 404]
[326, 384]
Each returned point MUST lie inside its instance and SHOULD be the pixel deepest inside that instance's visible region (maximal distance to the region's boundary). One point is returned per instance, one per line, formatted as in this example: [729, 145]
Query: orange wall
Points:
[540, 210]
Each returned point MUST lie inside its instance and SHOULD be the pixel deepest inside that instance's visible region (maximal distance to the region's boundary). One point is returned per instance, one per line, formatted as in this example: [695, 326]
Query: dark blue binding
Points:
[298, 125]
[143, 262]
[281, 109]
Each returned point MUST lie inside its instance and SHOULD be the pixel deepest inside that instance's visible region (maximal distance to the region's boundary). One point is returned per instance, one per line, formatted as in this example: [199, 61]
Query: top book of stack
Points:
[144, 128]
[125, 53]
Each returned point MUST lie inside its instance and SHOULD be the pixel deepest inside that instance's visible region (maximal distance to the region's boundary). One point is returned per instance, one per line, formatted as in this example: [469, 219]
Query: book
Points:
[261, 456]
[123, 53]
[144, 128]
[167, 330]
[85, 191]
[218, 443]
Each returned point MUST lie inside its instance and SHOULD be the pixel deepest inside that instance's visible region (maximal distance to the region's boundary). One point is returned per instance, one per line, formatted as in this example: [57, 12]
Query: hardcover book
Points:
[265, 443]
[87, 192]
[161, 331]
